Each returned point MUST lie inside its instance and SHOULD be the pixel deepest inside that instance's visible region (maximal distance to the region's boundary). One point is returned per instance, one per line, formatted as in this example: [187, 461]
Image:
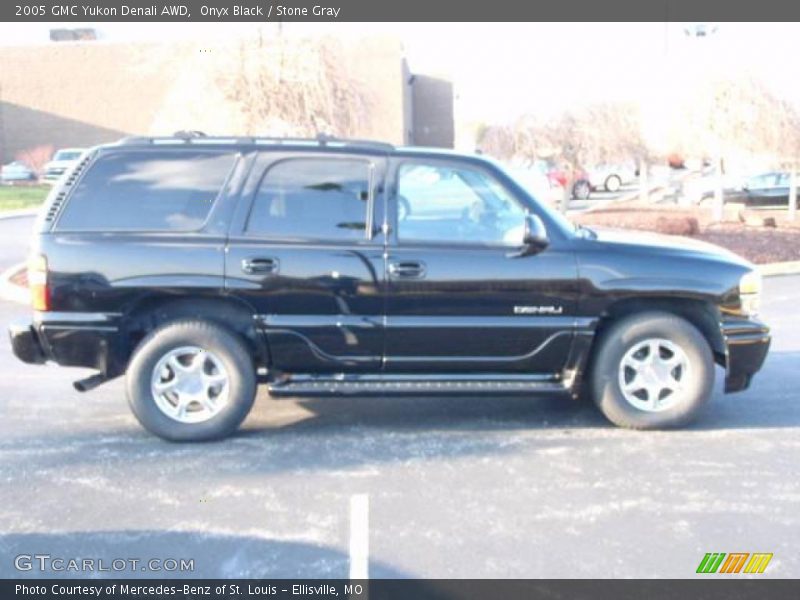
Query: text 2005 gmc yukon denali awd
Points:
[201, 266]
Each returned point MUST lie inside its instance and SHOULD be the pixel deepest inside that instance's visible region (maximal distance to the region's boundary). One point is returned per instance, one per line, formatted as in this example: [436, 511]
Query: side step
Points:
[307, 385]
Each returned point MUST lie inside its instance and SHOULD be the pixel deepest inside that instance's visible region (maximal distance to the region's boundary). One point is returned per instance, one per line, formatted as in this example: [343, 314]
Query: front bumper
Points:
[746, 346]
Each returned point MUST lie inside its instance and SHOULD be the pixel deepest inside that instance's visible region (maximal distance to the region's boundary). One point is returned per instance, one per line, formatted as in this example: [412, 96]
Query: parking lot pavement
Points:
[14, 235]
[488, 487]
[601, 197]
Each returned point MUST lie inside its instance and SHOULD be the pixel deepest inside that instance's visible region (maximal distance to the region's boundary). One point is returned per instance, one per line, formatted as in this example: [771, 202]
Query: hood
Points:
[672, 244]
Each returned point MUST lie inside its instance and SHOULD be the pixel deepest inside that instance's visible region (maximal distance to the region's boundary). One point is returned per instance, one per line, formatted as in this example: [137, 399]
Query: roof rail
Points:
[198, 137]
[189, 134]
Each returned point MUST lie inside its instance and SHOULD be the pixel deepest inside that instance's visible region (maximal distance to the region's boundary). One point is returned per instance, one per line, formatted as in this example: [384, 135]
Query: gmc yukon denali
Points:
[199, 267]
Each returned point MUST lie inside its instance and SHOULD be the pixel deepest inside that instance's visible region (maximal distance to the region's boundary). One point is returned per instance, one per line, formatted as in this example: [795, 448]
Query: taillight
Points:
[37, 282]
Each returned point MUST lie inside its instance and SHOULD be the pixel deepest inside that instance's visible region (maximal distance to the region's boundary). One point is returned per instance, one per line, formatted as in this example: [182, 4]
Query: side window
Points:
[449, 204]
[313, 198]
[147, 190]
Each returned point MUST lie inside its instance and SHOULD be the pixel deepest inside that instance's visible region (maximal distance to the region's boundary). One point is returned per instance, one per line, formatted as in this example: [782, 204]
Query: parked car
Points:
[764, 189]
[16, 171]
[63, 160]
[609, 178]
[200, 268]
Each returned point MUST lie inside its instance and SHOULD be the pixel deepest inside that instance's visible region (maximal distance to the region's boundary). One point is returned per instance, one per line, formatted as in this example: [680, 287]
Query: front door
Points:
[305, 255]
[460, 296]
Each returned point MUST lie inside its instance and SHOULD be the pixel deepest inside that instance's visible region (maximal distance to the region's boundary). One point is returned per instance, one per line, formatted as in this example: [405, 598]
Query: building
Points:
[77, 94]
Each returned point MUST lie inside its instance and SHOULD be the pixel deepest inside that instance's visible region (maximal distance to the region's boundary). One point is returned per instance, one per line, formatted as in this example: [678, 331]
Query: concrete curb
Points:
[22, 212]
[630, 196]
[790, 267]
[11, 291]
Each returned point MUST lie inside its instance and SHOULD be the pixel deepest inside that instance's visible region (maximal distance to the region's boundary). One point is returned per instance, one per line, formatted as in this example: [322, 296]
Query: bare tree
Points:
[36, 158]
[288, 86]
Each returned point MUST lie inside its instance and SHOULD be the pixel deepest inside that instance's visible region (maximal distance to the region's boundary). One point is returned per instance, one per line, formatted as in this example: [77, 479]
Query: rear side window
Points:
[305, 198]
[152, 191]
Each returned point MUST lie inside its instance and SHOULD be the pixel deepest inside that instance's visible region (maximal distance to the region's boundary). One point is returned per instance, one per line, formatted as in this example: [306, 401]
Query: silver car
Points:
[16, 171]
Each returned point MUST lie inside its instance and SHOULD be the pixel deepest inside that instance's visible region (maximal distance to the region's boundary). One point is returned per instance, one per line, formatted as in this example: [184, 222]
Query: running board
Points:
[306, 385]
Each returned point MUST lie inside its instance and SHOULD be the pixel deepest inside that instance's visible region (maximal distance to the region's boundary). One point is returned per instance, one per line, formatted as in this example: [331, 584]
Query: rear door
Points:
[305, 253]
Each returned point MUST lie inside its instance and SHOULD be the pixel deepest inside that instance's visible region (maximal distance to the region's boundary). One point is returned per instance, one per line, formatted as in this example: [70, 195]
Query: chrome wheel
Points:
[653, 374]
[582, 190]
[190, 384]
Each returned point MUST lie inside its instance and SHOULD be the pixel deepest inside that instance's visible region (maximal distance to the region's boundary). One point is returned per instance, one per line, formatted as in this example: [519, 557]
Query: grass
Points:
[15, 197]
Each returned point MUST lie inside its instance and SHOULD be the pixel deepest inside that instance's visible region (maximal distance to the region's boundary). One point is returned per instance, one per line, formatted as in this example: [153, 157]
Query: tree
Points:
[36, 158]
[297, 87]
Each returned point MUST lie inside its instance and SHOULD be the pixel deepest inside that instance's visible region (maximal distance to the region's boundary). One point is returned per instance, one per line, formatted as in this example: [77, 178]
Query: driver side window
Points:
[455, 205]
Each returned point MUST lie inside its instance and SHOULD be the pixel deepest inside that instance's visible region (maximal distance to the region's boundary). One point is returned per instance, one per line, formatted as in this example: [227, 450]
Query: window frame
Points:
[235, 154]
[397, 240]
[369, 233]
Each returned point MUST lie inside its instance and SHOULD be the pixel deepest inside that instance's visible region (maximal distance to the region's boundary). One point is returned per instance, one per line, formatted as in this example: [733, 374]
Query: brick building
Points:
[84, 93]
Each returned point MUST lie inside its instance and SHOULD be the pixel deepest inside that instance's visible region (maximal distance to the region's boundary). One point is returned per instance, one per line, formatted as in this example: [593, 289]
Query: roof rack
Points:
[198, 137]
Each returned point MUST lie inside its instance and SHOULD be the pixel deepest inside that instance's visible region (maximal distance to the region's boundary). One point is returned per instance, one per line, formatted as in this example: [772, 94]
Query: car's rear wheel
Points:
[581, 190]
[613, 183]
[191, 380]
[652, 370]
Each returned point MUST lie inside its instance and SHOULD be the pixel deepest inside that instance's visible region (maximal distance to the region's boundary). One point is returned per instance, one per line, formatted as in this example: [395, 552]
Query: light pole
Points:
[703, 31]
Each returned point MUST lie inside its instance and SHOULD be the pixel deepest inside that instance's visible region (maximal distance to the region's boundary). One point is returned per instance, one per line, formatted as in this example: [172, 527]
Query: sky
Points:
[504, 70]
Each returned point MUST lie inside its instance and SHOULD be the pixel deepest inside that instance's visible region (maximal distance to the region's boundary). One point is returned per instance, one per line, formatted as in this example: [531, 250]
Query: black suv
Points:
[200, 266]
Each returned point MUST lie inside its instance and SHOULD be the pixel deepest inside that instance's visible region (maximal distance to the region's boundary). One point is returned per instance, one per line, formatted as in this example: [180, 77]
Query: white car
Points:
[16, 171]
[62, 161]
[609, 178]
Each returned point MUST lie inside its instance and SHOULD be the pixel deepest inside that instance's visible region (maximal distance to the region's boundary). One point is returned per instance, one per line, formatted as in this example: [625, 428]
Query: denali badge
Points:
[538, 310]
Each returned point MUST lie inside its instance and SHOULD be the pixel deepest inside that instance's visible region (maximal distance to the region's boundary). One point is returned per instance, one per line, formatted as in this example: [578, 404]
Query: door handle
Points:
[260, 265]
[407, 269]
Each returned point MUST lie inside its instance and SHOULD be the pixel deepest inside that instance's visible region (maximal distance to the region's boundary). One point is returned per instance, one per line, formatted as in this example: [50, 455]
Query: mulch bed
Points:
[758, 244]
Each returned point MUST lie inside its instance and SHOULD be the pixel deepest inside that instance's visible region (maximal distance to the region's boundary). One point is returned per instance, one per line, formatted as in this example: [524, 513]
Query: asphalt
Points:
[15, 233]
[481, 487]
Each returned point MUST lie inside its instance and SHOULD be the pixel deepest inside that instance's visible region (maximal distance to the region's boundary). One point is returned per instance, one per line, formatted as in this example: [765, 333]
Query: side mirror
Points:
[535, 236]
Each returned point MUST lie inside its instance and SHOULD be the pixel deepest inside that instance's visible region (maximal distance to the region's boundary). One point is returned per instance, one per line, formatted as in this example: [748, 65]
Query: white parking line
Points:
[359, 536]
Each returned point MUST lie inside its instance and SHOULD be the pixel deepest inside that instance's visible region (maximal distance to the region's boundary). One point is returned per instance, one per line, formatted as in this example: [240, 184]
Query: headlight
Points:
[750, 293]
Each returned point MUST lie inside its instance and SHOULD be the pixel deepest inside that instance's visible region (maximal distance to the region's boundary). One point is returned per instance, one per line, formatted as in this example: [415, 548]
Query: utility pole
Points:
[2, 131]
[719, 194]
[644, 193]
[707, 32]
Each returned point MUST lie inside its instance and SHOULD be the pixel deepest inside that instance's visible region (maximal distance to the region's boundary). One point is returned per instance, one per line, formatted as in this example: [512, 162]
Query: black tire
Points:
[613, 183]
[226, 346]
[581, 190]
[604, 378]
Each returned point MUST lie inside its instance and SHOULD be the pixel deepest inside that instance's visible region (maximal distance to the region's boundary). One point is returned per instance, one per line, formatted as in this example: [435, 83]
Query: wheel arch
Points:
[700, 313]
[232, 313]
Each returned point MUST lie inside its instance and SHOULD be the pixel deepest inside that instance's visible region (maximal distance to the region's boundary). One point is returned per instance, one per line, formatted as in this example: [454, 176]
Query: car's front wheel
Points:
[191, 380]
[652, 370]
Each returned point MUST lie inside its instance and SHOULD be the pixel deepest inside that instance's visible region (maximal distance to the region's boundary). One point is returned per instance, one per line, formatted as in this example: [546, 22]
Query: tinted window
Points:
[323, 199]
[444, 204]
[762, 181]
[147, 191]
